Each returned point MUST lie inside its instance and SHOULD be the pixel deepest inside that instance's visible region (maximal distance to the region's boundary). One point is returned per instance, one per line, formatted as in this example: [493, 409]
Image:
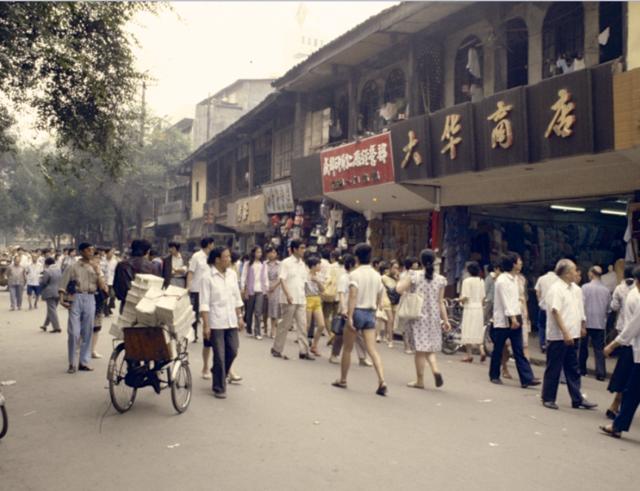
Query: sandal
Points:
[469, 359]
[415, 385]
[382, 389]
[339, 384]
[610, 431]
[507, 375]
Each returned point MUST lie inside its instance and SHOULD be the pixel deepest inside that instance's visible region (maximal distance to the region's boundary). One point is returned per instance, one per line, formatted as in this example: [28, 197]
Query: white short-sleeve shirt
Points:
[294, 274]
[220, 297]
[198, 267]
[368, 282]
[567, 301]
[507, 300]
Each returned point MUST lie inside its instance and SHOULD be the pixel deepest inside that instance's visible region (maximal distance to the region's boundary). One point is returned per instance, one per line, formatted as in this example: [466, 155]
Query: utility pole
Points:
[143, 111]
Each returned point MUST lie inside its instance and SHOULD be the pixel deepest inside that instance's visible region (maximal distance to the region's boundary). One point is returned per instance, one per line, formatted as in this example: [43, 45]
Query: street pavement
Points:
[287, 428]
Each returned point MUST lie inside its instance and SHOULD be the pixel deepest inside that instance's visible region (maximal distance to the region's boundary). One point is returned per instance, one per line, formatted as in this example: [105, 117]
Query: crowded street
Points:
[319, 245]
[285, 427]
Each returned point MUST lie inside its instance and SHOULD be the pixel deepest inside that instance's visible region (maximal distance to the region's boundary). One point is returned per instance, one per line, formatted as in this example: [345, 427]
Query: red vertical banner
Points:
[435, 230]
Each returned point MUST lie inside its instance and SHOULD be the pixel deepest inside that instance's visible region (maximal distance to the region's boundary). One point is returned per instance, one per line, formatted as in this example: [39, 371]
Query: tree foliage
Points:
[72, 63]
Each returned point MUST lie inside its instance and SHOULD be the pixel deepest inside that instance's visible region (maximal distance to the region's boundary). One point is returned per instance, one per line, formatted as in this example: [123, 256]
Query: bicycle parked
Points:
[452, 340]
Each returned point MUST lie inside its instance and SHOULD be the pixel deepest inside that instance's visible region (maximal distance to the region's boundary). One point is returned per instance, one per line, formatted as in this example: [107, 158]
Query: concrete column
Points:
[534, 20]
[591, 31]
[352, 95]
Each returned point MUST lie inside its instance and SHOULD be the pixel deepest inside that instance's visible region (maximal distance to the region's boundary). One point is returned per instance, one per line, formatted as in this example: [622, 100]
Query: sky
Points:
[197, 48]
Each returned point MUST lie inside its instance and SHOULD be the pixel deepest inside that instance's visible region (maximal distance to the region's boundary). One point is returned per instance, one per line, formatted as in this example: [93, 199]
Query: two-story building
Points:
[473, 127]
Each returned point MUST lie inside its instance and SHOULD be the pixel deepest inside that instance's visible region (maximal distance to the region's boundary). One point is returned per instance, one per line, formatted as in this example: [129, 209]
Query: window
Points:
[197, 191]
[610, 38]
[339, 121]
[394, 87]
[242, 168]
[282, 152]
[225, 174]
[468, 71]
[369, 106]
[316, 131]
[562, 38]
[262, 159]
[517, 53]
[431, 77]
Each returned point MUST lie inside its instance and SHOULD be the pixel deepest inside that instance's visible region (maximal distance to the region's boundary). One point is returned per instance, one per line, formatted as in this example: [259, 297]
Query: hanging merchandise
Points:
[456, 243]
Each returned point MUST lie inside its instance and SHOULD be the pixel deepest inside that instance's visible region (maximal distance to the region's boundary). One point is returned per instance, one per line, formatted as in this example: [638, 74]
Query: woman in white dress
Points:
[472, 298]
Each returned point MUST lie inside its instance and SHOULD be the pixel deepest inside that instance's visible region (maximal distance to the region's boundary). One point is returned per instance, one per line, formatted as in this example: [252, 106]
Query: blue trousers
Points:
[542, 329]
[80, 327]
[630, 401]
[500, 336]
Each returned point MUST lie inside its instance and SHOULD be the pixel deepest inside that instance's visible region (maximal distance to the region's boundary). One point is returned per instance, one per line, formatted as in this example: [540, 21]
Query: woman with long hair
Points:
[254, 286]
[425, 333]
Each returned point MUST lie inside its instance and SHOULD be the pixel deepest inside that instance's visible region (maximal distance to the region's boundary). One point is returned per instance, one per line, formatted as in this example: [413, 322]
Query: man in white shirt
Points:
[293, 275]
[111, 264]
[544, 283]
[507, 323]
[630, 336]
[565, 325]
[221, 309]
[198, 269]
[34, 271]
[365, 296]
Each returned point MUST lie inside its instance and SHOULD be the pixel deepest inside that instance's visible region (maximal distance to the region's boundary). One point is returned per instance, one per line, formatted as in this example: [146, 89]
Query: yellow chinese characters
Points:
[563, 120]
[502, 133]
[451, 128]
[410, 150]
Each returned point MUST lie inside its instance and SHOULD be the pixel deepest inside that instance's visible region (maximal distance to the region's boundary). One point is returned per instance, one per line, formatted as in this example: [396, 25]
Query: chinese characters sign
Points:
[562, 122]
[359, 164]
[278, 197]
[450, 135]
[502, 133]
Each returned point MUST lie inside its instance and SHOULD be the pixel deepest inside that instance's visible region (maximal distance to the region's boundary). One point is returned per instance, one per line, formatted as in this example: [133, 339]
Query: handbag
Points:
[410, 307]
[337, 325]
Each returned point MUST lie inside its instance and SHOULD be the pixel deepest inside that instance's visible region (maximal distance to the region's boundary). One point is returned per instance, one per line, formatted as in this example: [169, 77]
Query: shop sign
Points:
[359, 164]
[409, 139]
[501, 129]
[560, 119]
[278, 197]
[452, 137]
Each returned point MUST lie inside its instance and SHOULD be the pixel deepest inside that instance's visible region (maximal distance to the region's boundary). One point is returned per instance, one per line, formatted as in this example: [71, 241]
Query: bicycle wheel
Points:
[451, 341]
[487, 341]
[122, 396]
[5, 421]
[181, 387]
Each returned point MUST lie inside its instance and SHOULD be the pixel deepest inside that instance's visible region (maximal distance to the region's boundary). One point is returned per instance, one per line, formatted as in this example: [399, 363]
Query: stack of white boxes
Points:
[148, 305]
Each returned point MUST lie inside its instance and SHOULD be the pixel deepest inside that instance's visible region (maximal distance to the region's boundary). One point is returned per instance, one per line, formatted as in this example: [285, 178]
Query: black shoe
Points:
[496, 381]
[600, 378]
[220, 395]
[611, 415]
[84, 368]
[276, 354]
[56, 330]
[71, 369]
[550, 404]
[44, 328]
[306, 356]
[438, 379]
[382, 390]
[584, 405]
[533, 383]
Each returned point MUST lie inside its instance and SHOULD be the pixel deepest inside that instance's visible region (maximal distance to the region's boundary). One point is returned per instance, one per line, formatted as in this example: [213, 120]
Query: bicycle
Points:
[452, 340]
[5, 418]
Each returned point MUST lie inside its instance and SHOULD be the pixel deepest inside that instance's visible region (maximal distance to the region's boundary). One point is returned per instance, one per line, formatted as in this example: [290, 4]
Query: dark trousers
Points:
[195, 302]
[253, 311]
[111, 303]
[225, 349]
[559, 357]
[542, 329]
[597, 340]
[630, 401]
[500, 336]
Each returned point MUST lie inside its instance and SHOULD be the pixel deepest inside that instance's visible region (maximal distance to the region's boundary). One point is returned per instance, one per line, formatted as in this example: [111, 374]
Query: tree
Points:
[72, 62]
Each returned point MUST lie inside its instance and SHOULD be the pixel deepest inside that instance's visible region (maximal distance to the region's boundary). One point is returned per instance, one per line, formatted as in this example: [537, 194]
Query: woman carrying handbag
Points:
[429, 316]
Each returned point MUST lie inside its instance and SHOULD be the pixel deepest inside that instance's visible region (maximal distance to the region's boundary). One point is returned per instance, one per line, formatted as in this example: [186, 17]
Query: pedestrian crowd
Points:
[355, 300]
